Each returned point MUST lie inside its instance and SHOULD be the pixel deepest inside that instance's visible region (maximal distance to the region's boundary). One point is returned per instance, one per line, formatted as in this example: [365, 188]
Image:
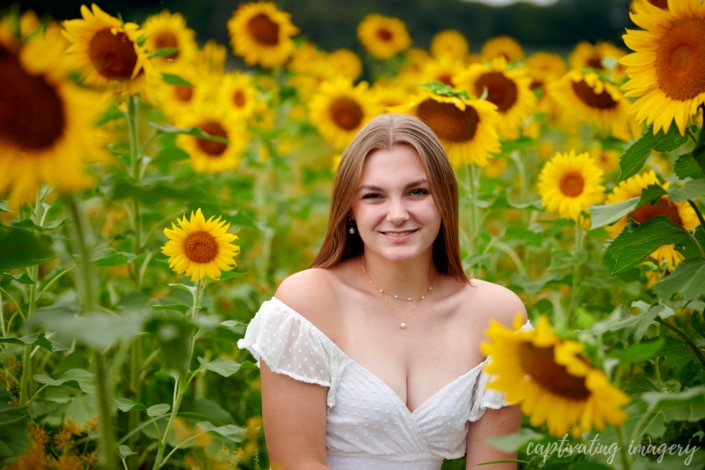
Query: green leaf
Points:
[699, 151]
[639, 352]
[111, 257]
[21, 248]
[635, 156]
[14, 438]
[125, 405]
[158, 410]
[692, 190]
[37, 339]
[687, 405]
[174, 307]
[232, 274]
[98, 330]
[611, 213]
[686, 167]
[688, 279]
[164, 51]
[192, 131]
[220, 365]
[173, 79]
[651, 194]
[632, 246]
[83, 378]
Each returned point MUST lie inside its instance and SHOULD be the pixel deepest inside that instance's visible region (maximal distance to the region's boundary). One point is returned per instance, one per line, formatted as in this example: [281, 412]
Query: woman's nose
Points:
[397, 212]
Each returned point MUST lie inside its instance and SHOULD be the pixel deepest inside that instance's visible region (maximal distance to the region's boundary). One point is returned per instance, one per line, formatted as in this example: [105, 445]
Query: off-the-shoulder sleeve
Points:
[485, 397]
[291, 345]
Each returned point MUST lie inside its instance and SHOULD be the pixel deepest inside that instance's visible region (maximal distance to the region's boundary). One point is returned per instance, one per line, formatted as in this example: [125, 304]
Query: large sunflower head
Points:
[509, 88]
[200, 248]
[340, 109]
[223, 152]
[450, 43]
[108, 51]
[47, 123]
[667, 68]
[569, 184]
[584, 97]
[167, 30]
[679, 213]
[383, 37]
[262, 34]
[550, 379]
[465, 127]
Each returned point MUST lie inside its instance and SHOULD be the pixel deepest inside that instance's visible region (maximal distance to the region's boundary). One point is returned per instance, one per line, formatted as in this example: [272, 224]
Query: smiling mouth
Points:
[399, 234]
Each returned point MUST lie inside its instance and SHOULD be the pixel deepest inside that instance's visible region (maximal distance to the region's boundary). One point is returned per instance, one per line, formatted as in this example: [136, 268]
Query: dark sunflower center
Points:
[680, 59]
[112, 55]
[445, 78]
[449, 122]
[587, 95]
[384, 35]
[201, 247]
[595, 63]
[501, 90]
[346, 113]
[183, 93]
[264, 30]
[31, 111]
[539, 363]
[572, 184]
[167, 40]
[211, 147]
[239, 99]
[663, 207]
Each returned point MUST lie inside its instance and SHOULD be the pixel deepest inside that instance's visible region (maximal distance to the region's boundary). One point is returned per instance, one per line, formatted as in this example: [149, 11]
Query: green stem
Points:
[472, 173]
[623, 451]
[87, 295]
[577, 248]
[183, 381]
[694, 347]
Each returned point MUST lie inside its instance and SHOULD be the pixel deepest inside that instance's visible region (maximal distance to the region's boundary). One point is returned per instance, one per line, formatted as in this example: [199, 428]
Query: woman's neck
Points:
[412, 279]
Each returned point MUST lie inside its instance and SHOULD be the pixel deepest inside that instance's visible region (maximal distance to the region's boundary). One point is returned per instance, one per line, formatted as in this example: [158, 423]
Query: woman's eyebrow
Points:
[373, 187]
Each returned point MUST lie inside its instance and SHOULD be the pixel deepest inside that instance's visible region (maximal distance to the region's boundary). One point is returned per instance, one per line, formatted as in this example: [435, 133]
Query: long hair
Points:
[382, 133]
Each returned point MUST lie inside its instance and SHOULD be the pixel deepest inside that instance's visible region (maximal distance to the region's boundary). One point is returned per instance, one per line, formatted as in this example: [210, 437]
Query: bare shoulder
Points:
[495, 302]
[310, 293]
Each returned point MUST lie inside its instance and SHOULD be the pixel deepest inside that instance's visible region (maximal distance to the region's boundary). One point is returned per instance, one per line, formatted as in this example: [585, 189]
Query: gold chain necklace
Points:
[416, 300]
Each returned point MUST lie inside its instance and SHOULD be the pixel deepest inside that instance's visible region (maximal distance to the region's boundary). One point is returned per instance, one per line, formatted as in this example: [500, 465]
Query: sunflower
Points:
[383, 37]
[237, 91]
[679, 213]
[262, 34]
[667, 68]
[200, 248]
[508, 88]
[47, 123]
[169, 31]
[449, 43]
[569, 184]
[441, 69]
[466, 127]
[502, 46]
[340, 109]
[389, 94]
[213, 156]
[345, 63]
[584, 97]
[551, 380]
[107, 51]
[603, 56]
[186, 96]
[544, 68]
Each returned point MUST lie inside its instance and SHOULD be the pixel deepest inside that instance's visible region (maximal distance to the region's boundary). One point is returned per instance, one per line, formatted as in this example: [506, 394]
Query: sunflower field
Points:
[152, 196]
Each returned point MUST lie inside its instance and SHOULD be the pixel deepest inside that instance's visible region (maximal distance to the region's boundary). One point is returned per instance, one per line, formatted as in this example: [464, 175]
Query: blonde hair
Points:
[382, 133]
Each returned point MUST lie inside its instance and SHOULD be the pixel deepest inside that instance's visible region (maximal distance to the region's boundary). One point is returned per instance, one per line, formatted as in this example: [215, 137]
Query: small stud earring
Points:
[351, 230]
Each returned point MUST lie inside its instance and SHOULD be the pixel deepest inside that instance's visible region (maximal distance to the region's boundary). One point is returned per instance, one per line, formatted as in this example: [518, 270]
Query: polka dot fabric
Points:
[369, 426]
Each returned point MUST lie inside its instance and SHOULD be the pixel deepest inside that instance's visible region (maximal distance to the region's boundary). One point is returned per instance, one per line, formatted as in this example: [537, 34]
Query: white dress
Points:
[368, 426]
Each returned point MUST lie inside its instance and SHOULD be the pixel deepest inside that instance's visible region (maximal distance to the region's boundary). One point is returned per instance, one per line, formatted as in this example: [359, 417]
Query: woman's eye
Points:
[418, 192]
[371, 196]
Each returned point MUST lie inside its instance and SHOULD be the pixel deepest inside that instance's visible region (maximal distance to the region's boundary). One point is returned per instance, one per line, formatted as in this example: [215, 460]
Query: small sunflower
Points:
[238, 93]
[389, 95]
[187, 96]
[262, 34]
[569, 184]
[441, 70]
[340, 109]
[667, 68]
[502, 46]
[599, 56]
[214, 156]
[508, 88]
[544, 68]
[345, 63]
[450, 43]
[167, 30]
[679, 213]
[47, 123]
[107, 51]
[550, 379]
[200, 248]
[465, 127]
[584, 97]
[383, 37]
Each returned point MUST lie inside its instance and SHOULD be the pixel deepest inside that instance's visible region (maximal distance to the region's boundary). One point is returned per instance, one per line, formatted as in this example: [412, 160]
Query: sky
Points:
[501, 3]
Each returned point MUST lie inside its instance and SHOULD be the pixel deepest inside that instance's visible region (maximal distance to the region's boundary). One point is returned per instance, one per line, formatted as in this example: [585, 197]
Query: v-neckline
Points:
[376, 377]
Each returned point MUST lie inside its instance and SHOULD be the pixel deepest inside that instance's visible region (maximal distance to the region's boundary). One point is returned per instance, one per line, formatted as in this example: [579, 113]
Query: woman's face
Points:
[393, 208]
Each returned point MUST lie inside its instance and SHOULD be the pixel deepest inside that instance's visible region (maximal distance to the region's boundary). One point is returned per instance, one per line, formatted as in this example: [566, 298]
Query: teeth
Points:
[399, 234]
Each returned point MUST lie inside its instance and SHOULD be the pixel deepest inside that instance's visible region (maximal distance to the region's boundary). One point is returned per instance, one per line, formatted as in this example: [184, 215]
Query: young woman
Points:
[371, 358]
